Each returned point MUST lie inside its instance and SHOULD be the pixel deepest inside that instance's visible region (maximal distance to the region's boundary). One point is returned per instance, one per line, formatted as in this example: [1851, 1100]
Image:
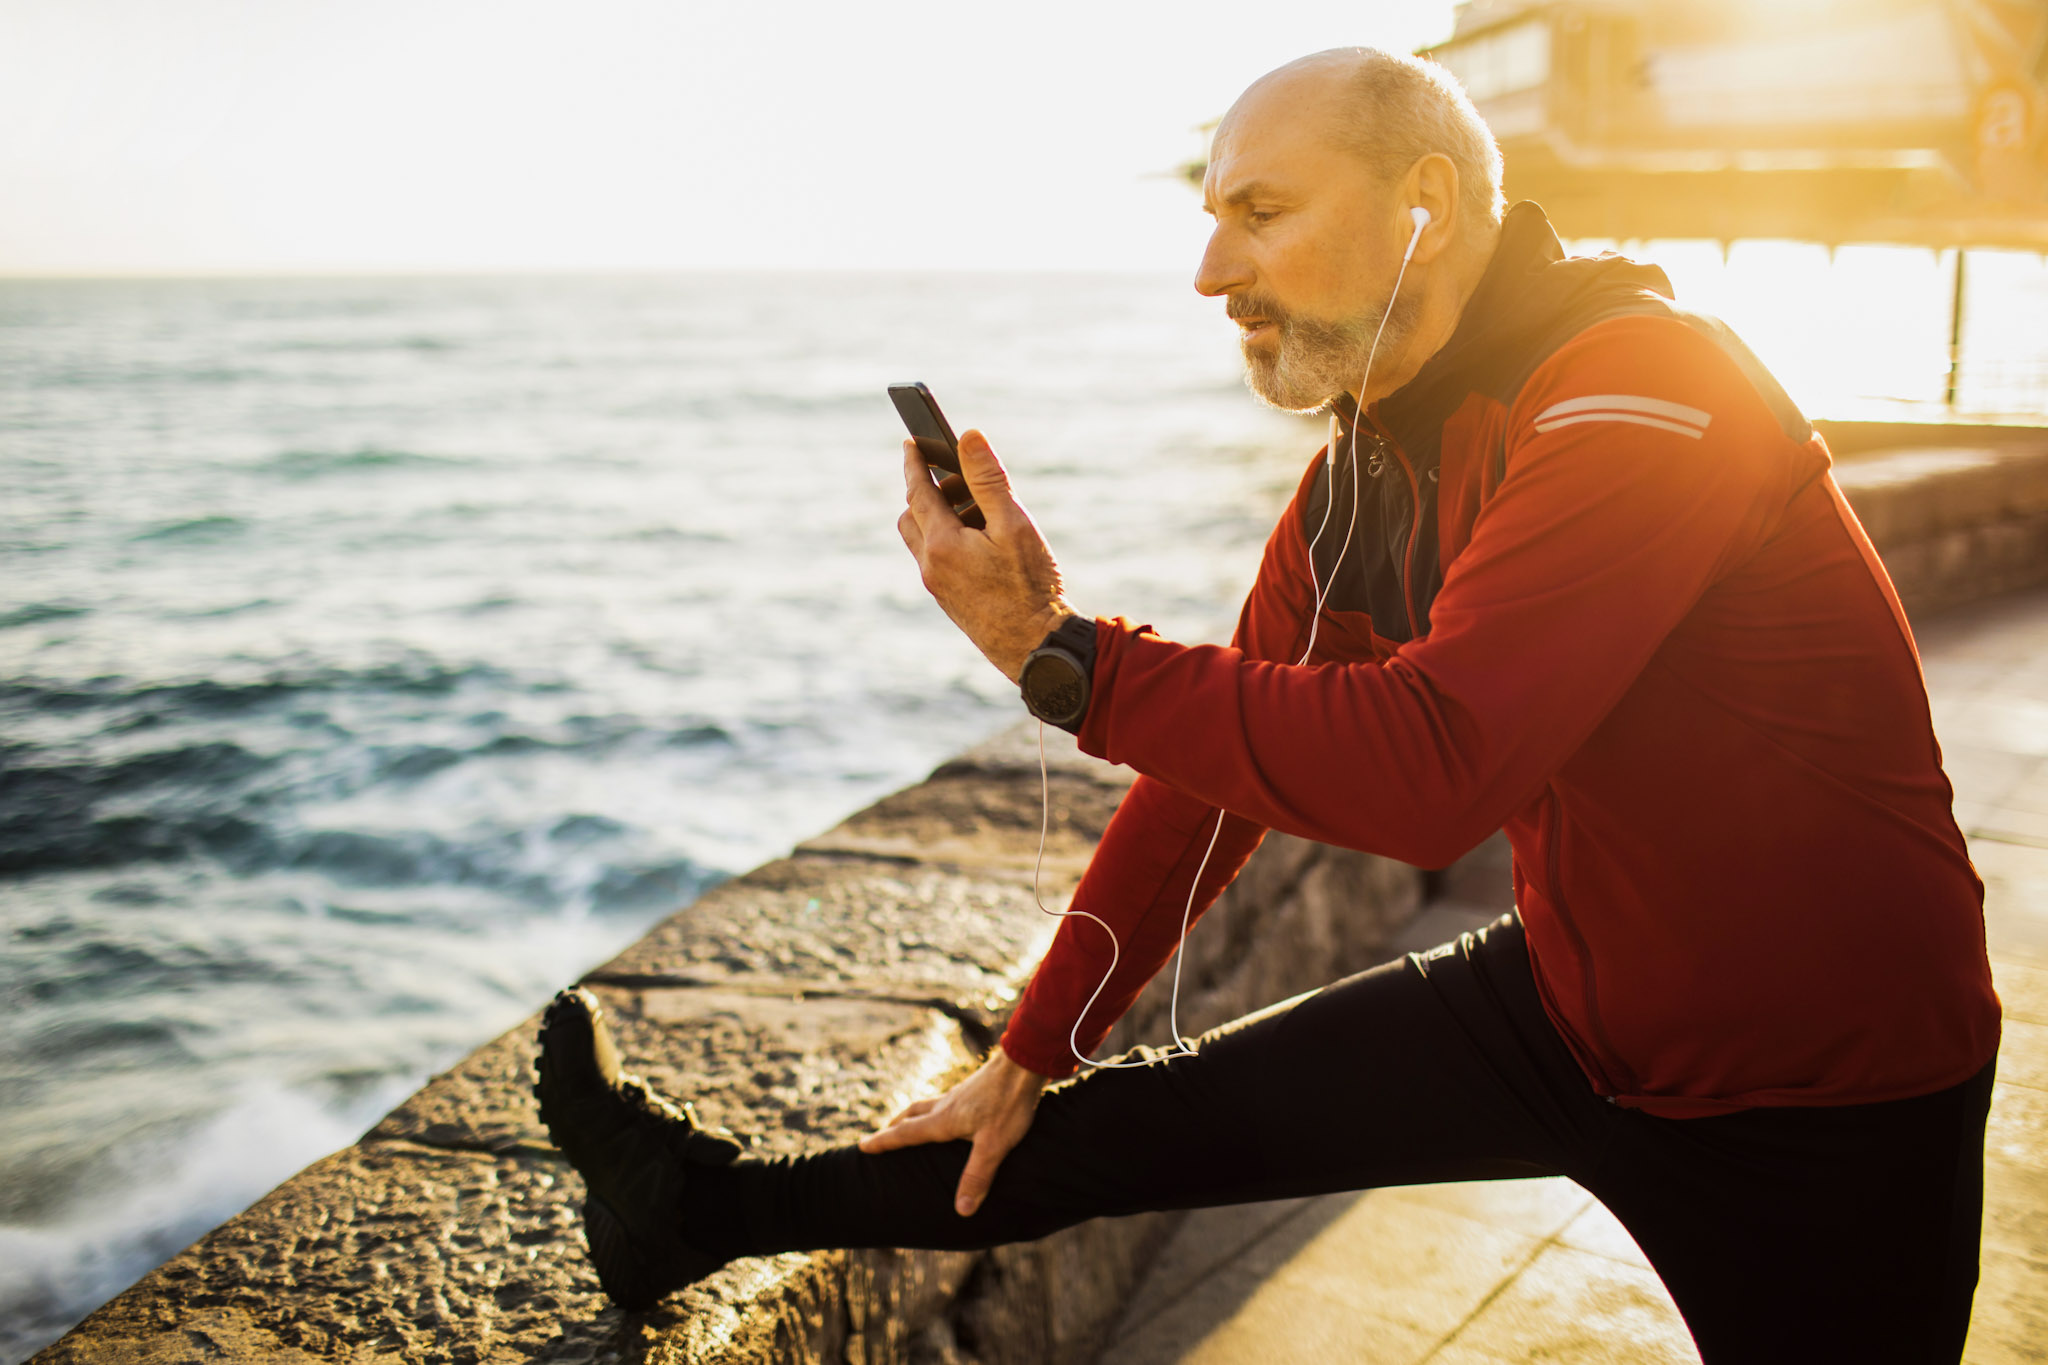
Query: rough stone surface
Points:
[897, 928]
[789, 1071]
[382, 1249]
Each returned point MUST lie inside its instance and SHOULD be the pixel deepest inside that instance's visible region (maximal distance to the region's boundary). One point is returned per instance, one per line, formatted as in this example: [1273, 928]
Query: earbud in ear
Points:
[1420, 216]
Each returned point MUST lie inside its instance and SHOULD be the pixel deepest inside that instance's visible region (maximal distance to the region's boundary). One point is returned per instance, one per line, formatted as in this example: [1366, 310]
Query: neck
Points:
[1446, 287]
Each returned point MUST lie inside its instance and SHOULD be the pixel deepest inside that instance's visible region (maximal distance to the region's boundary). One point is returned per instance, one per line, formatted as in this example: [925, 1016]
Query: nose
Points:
[1223, 269]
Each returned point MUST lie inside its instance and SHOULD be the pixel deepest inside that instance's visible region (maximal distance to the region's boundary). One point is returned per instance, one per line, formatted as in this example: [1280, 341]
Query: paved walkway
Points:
[1536, 1270]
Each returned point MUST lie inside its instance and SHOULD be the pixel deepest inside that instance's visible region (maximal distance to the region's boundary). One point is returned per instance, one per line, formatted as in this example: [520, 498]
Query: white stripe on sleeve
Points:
[1628, 402]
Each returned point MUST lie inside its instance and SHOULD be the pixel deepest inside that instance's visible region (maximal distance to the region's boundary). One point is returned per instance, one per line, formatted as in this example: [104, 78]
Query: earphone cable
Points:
[1181, 1046]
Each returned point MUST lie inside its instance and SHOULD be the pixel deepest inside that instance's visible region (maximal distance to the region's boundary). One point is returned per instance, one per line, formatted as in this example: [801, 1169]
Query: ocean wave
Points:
[365, 345]
[212, 763]
[749, 404]
[32, 841]
[35, 613]
[99, 802]
[161, 1195]
[193, 530]
[85, 1042]
[207, 801]
[69, 962]
[313, 464]
[210, 696]
[676, 535]
[143, 376]
[411, 762]
[47, 825]
[49, 813]
[550, 874]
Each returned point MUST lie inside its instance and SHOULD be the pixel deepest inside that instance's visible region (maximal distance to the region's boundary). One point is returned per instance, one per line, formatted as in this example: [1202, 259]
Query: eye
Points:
[1262, 216]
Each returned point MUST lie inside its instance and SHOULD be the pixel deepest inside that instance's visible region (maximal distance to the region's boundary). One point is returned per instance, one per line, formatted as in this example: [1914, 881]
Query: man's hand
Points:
[999, 584]
[993, 1107]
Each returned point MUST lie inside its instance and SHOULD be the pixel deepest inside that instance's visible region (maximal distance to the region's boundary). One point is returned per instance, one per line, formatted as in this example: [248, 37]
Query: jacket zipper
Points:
[1382, 443]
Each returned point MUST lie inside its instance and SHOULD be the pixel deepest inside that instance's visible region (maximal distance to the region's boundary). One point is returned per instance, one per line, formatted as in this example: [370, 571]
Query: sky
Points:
[171, 136]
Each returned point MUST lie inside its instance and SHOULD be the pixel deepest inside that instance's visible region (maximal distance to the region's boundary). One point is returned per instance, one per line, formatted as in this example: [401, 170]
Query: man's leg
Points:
[1427, 1069]
[1798, 1235]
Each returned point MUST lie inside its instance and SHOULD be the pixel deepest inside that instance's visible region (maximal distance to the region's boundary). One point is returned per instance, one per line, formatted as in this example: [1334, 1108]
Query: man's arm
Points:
[1138, 880]
[1143, 864]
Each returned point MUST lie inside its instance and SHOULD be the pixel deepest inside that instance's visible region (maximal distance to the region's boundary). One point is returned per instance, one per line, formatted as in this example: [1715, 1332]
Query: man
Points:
[1576, 569]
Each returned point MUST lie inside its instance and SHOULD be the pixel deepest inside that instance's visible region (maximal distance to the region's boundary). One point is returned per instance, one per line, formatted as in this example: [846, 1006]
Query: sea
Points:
[378, 654]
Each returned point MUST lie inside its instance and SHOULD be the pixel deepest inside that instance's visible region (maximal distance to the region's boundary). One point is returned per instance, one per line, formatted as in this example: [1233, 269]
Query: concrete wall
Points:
[805, 1002]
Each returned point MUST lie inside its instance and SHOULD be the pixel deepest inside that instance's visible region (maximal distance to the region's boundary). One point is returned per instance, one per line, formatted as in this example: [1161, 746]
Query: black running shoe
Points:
[633, 1149]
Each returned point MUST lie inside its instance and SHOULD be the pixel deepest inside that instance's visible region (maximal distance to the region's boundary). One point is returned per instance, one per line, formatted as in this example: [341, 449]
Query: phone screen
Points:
[936, 442]
[928, 426]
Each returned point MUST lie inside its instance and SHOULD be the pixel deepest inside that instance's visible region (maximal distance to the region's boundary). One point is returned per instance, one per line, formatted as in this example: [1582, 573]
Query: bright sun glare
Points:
[379, 134]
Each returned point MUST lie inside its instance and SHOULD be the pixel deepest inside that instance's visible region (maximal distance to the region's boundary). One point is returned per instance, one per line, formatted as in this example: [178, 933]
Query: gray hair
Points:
[1404, 108]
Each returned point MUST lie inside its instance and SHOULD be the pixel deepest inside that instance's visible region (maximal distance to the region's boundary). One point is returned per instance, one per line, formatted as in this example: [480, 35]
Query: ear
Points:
[1432, 186]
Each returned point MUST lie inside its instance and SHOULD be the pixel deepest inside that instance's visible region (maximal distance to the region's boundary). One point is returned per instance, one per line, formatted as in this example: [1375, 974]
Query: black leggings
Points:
[1845, 1233]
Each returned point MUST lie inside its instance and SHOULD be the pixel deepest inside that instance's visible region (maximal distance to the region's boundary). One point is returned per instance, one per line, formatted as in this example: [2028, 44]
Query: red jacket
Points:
[1607, 595]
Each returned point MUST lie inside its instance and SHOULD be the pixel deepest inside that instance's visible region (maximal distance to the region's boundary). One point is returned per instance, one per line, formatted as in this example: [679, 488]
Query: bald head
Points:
[1387, 110]
[1357, 201]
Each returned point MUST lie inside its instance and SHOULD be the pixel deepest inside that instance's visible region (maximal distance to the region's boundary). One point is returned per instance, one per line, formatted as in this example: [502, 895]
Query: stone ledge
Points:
[1954, 523]
[799, 1004]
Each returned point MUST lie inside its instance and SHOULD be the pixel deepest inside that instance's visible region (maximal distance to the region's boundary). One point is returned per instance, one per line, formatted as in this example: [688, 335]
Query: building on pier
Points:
[1905, 121]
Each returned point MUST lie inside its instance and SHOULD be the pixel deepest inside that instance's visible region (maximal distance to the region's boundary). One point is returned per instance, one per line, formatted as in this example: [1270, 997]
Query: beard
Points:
[1318, 358]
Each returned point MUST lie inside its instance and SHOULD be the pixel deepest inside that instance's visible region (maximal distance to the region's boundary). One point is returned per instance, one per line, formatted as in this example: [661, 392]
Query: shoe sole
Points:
[620, 1269]
[610, 1245]
[624, 1269]
[571, 1030]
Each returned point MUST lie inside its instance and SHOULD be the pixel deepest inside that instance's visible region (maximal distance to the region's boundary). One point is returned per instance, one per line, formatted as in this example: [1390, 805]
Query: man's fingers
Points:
[913, 1109]
[907, 1132]
[919, 490]
[988, 1154]
[985, 475]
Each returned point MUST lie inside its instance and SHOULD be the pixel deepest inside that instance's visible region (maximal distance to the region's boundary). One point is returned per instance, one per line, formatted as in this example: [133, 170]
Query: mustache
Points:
[1253, 306]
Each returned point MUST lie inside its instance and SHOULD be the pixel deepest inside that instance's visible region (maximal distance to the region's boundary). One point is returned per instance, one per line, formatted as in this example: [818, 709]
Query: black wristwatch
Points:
[1055, 676]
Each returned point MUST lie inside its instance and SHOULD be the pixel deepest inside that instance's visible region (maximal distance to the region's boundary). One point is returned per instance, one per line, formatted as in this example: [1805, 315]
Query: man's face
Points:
[1299, 249]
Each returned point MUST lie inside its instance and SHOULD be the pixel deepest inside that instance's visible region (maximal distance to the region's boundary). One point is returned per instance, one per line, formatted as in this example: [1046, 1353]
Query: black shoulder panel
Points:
[1790, 419]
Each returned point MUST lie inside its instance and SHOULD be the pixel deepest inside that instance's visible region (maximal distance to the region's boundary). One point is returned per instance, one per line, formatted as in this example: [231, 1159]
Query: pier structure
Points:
[1914, 122]
[1919, 122]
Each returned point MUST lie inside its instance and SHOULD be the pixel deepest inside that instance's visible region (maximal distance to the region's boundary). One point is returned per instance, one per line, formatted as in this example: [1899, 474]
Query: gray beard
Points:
[1317, 360]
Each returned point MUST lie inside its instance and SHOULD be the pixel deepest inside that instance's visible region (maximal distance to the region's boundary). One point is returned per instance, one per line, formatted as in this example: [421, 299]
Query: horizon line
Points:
[330, 271]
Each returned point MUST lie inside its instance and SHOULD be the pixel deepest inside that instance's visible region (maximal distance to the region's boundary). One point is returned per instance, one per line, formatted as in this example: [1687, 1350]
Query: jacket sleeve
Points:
[1137, 881]
[1641, 466]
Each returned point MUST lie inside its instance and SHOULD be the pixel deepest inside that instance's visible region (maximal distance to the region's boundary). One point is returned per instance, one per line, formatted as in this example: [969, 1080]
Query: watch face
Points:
[1054, 687]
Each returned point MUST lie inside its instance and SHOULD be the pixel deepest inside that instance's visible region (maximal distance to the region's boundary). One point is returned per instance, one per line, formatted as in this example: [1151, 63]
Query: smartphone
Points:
[936, 442]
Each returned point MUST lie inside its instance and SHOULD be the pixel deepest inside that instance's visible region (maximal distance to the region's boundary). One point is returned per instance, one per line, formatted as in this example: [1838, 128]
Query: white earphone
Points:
[1421, 218]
